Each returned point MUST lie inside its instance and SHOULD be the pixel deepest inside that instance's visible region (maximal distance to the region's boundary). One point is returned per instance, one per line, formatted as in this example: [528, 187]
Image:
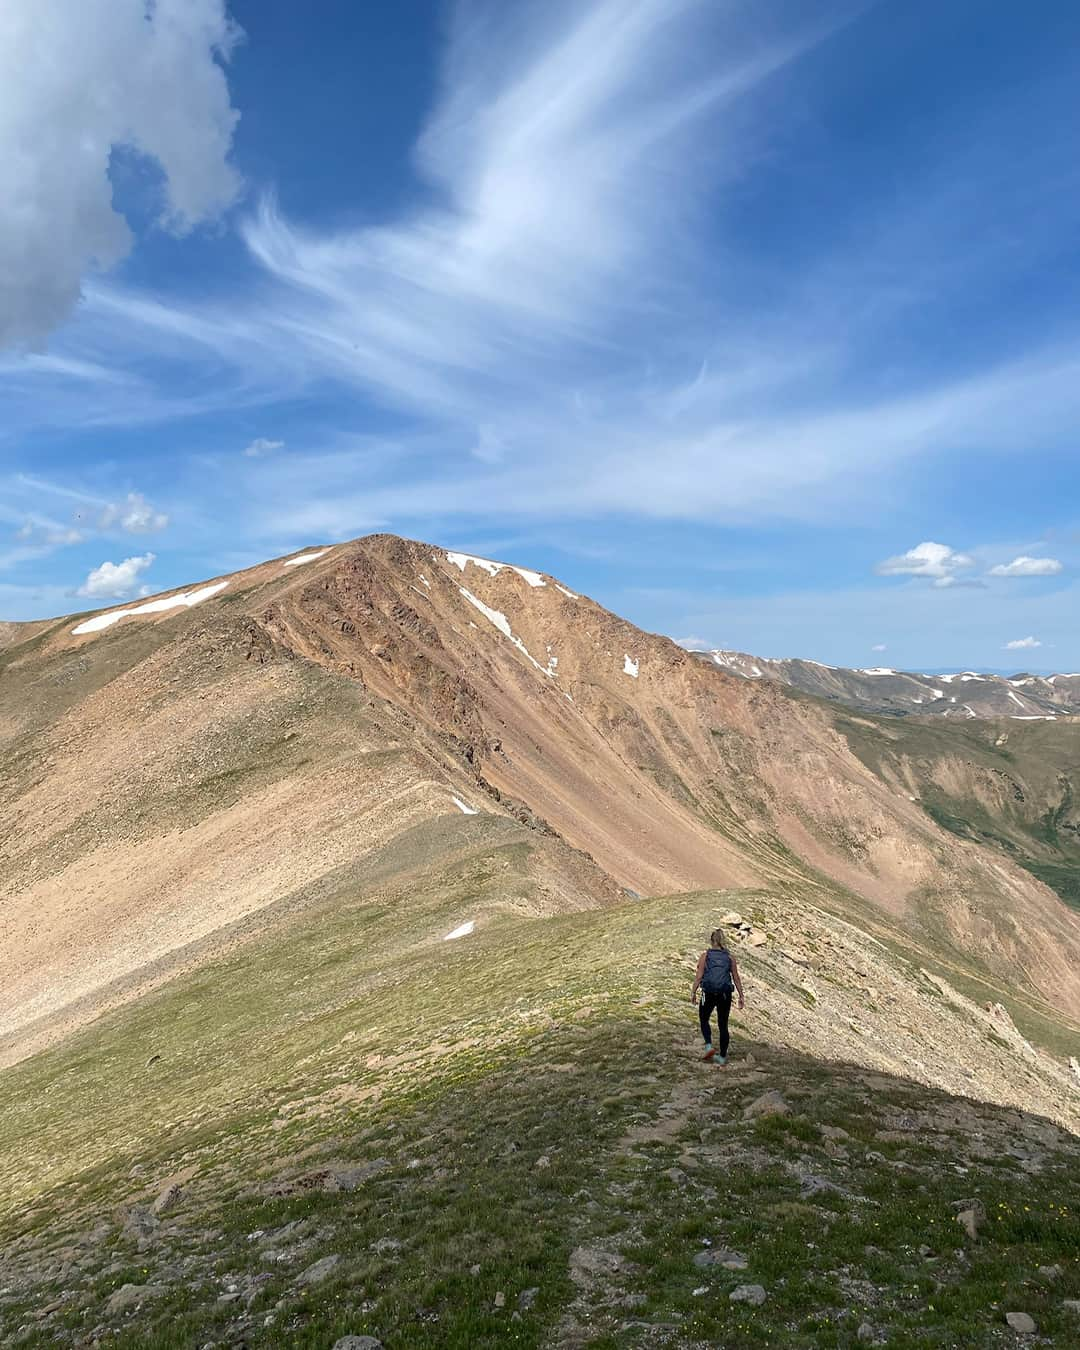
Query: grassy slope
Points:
[345, 1037]
[1036, 768]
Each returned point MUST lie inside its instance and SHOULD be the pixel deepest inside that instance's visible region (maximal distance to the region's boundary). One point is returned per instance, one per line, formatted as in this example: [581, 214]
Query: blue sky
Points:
[757, 322]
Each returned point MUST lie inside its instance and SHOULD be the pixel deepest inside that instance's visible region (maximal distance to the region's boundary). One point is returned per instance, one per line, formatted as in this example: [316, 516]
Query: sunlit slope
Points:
[1010, 787]
[217, 753]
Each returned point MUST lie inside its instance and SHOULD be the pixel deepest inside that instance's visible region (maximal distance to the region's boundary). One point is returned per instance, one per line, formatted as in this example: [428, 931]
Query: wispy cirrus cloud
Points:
[560, 323]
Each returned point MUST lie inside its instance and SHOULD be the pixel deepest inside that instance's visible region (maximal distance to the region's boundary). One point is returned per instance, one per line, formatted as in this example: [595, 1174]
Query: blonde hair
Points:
[716, 939]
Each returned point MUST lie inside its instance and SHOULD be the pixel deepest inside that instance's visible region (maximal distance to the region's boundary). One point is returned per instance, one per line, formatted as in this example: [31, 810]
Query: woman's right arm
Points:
[698, 976]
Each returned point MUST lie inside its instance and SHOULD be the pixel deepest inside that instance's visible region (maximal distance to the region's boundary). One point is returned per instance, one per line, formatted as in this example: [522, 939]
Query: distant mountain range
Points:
[897, 693]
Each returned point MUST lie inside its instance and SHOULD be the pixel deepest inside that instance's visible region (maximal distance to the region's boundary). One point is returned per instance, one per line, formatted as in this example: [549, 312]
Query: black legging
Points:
[722, 1004]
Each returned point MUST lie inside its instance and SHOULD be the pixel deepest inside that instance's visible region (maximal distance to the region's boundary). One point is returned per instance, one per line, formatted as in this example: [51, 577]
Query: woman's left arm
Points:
[738, 981]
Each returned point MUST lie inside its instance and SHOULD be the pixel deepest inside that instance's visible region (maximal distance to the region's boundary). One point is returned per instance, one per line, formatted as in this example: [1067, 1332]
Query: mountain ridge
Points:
[356, 690]
[899, 693]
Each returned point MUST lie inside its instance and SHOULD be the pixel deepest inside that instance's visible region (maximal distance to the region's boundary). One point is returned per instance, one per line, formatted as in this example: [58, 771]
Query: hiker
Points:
[717, 972]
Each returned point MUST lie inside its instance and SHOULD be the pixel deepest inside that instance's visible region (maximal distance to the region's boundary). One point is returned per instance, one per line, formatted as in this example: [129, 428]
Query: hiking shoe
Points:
[709, 1052]
[721, 1060]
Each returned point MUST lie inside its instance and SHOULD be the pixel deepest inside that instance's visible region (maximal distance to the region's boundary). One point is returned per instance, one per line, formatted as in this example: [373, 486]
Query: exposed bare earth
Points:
[171, 774]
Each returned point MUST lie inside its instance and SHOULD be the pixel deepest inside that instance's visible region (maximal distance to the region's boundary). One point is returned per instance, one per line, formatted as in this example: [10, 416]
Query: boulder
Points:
[732, 919]
[167, 1199]
[753, 1294]
[768, 1104]
[720, 1256]
[319, 1271]
[971, 1215]
[1021, 1322]
[131, 1296]
[593, 1263]
[357, 1343]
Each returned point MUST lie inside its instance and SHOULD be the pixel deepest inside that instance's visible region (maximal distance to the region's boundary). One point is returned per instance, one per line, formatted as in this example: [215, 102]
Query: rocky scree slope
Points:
[964, 694]
[174, 774]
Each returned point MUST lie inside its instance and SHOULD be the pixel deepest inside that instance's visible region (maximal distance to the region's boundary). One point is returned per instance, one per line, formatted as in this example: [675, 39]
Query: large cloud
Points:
[78, 81]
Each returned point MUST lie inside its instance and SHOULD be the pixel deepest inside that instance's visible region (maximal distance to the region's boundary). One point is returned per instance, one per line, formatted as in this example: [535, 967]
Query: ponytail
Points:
[716, 939]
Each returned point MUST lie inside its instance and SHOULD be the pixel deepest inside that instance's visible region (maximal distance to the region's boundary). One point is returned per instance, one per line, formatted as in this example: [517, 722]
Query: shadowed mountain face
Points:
[966, 694]
[179, 773]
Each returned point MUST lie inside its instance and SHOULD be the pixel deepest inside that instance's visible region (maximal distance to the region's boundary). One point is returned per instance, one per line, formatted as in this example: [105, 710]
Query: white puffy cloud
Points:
[937, 561]
[115, 580]
[878, 647]
[78, 82]
[1022, 644]
[1027, 567]
[134, 515]
[261, 446]
[694, 644]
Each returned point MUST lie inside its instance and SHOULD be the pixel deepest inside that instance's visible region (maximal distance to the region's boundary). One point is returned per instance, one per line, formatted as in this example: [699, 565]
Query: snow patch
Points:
[502, 623]
[185, 600]
[878, 670]
[569, 594]
[1018, 701]
[463, 808]
[463, 931]
[493, 569]
[630, 667]
[423, 579]
[305, 558]
[1040, 717]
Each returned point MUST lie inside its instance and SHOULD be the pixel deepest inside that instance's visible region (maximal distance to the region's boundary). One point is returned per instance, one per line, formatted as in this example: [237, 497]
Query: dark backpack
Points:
[717, 978]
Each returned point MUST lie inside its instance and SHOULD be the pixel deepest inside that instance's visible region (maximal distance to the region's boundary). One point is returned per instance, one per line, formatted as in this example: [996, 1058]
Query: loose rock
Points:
[865, 1332]
[971, 1215]
[1021, 1322]
[131, 1295]
[592, 1263]
[358, 1343]
[748, 1293]
[527, 1298]
[720, 1256]
[167, 1199]
[319, 1271]
[768, 1104]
